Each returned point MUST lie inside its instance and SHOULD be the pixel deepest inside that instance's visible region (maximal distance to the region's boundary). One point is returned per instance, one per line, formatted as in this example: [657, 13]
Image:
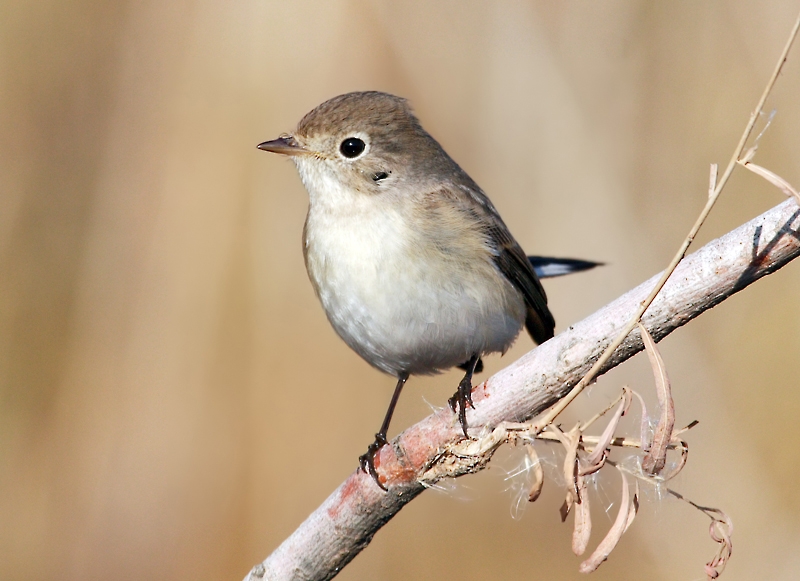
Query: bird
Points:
[413, 265]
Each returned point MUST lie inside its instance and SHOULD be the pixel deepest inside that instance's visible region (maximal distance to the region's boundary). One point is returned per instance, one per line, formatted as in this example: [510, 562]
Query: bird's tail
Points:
[548, 267]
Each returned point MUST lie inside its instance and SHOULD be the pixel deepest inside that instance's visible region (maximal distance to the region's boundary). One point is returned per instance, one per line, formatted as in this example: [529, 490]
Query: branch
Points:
[346, 522]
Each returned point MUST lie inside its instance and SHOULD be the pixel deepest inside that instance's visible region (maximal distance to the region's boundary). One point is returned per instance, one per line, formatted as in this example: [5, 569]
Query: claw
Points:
[459, 402]
[367, 460]
[463, 396]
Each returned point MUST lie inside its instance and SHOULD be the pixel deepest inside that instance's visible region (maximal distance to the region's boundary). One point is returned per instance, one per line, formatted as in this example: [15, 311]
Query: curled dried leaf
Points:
[633, 510]
[570, 440]
[583, 519]
[538, 474]
[627, 510]
[721, 532]
[595, 460]
[656, 457]
[683, 447]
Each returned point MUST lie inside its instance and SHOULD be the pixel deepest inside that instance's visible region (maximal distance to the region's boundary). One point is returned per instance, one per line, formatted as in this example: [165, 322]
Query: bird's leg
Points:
[478, 366]
[463, 397]
[367, 460]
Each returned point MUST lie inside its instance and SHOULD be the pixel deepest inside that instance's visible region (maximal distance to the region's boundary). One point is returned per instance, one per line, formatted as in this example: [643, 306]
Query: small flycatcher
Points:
[413, 265]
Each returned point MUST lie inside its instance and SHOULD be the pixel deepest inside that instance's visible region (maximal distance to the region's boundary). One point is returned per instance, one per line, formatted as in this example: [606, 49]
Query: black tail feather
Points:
[549, 267]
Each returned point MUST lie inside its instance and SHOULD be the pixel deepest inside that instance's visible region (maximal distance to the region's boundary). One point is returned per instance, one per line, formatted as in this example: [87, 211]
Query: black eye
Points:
[352, 147]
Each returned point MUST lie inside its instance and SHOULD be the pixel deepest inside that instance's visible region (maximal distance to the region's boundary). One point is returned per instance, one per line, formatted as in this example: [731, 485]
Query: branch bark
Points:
[346, 522]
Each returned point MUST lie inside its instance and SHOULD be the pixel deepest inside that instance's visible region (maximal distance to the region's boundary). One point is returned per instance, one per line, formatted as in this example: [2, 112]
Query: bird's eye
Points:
[352, 147]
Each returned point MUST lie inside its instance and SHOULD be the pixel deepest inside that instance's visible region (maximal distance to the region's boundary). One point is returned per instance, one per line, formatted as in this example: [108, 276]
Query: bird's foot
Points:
[367, 460]
[460, 400]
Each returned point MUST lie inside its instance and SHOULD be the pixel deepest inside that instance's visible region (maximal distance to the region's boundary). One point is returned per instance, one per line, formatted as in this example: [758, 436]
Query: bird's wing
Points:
[514, 264]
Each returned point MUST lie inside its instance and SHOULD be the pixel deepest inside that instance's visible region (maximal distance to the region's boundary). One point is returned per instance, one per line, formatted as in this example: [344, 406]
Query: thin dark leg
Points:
[463, 397]
[367, 460]
[478, 367]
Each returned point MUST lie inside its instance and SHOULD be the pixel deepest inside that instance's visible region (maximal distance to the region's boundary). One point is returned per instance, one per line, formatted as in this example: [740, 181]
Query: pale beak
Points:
[285, 145]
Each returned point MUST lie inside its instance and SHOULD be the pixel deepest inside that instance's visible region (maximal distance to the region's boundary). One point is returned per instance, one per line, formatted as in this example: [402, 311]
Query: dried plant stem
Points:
[714, 192]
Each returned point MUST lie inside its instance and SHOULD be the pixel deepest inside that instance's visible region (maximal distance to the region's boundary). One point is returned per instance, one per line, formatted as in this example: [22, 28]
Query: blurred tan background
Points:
[165, 367]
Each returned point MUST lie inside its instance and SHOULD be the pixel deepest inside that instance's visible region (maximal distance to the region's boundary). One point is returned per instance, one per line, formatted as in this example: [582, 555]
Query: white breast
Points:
[391, 297]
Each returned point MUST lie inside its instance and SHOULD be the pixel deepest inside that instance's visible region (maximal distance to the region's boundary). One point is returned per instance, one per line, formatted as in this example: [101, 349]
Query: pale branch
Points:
[345, 523]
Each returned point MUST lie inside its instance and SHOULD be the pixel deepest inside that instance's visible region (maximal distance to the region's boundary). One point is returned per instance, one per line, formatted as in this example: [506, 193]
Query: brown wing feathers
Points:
[514, 265]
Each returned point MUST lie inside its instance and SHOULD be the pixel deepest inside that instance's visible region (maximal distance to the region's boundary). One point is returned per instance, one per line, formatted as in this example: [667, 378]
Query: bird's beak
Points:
[285, 145]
